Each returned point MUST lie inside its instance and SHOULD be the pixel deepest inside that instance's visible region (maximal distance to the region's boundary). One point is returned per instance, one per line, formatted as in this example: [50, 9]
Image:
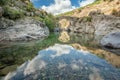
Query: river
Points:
[62, 56]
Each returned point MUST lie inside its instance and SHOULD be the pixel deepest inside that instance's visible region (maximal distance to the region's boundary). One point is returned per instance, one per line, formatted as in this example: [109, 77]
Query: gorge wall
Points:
[98, 21]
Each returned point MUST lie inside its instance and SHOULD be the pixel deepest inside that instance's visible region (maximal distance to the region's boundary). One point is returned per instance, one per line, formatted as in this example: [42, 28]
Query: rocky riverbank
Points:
[22, 30]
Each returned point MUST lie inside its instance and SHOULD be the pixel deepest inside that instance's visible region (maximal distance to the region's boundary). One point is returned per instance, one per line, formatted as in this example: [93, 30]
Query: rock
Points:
[5, 23]
[111, 40]
[37, 13]
[93, 13]
[24, 30]
[32, 14]
[27, 14]
[1, 11]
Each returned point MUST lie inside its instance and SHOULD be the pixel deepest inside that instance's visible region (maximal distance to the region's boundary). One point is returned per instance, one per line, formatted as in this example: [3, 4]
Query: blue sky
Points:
[60, 6]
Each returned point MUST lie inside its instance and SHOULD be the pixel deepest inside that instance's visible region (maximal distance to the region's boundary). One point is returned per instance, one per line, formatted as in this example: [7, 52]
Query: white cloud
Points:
[61, 65]
[85, 2]
[60, 6]
[60, 50]
[34, 65]
[75, 66]
[34, 0]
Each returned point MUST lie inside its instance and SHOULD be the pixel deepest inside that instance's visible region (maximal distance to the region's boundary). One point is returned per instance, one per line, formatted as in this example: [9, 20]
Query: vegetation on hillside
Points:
[15, 9]
[79, 9]
[50, 21]
[3, 2]
[116, 12]
[12, 13]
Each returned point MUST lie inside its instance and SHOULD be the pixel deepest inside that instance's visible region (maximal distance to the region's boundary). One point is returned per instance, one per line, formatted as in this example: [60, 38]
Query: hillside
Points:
[108, 7]
[20, 21]
[101, 19]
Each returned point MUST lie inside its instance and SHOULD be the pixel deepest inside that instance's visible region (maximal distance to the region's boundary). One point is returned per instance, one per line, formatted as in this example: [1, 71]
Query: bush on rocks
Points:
[12, 13]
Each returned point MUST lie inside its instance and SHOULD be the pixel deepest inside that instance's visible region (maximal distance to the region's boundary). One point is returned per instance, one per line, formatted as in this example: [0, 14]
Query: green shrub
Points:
[30, 7]
[48, 19]
[12, 13]
[116, 13]
[87, 18]
[3, 2]
[38, 18]
[50, 22]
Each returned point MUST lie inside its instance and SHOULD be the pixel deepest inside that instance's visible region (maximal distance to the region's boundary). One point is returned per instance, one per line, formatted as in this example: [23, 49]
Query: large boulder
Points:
[111, 40]
[24, 30]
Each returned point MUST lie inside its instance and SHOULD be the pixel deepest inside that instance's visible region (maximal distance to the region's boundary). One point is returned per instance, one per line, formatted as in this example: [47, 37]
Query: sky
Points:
[60, 6]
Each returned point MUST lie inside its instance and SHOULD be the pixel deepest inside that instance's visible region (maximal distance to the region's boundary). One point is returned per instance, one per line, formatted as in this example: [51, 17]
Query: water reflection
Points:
[87, 42]
[63, 62]
[64, 37]
[108, 56]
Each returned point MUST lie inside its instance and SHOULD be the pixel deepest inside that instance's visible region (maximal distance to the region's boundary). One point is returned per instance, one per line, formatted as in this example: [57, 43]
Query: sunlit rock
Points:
[64, 23]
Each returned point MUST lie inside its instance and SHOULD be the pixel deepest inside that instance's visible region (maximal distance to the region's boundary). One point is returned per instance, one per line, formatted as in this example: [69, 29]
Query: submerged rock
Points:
[63, 62]
[111, 40]
[24, 30]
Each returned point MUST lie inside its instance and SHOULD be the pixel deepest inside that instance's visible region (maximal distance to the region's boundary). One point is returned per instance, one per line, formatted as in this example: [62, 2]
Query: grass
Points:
[30, 7]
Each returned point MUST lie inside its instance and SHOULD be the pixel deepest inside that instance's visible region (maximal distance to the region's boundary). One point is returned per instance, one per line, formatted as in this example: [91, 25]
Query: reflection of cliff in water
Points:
[64, 37]
[87, 42]
[83, 39]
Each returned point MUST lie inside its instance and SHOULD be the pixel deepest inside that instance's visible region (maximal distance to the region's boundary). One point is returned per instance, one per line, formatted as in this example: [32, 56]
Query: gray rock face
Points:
[24, 30]
[111, 40]
[96, 23]
[5, 23]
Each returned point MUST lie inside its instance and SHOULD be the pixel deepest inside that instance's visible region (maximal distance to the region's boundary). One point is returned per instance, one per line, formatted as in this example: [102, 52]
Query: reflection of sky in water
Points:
[62, 62]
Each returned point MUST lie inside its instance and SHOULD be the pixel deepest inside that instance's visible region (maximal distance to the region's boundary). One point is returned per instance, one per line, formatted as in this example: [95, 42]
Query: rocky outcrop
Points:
[111, 40]
[100, 26]
[96, 23]
[24, 30]
[20, 21]
[6, 23]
